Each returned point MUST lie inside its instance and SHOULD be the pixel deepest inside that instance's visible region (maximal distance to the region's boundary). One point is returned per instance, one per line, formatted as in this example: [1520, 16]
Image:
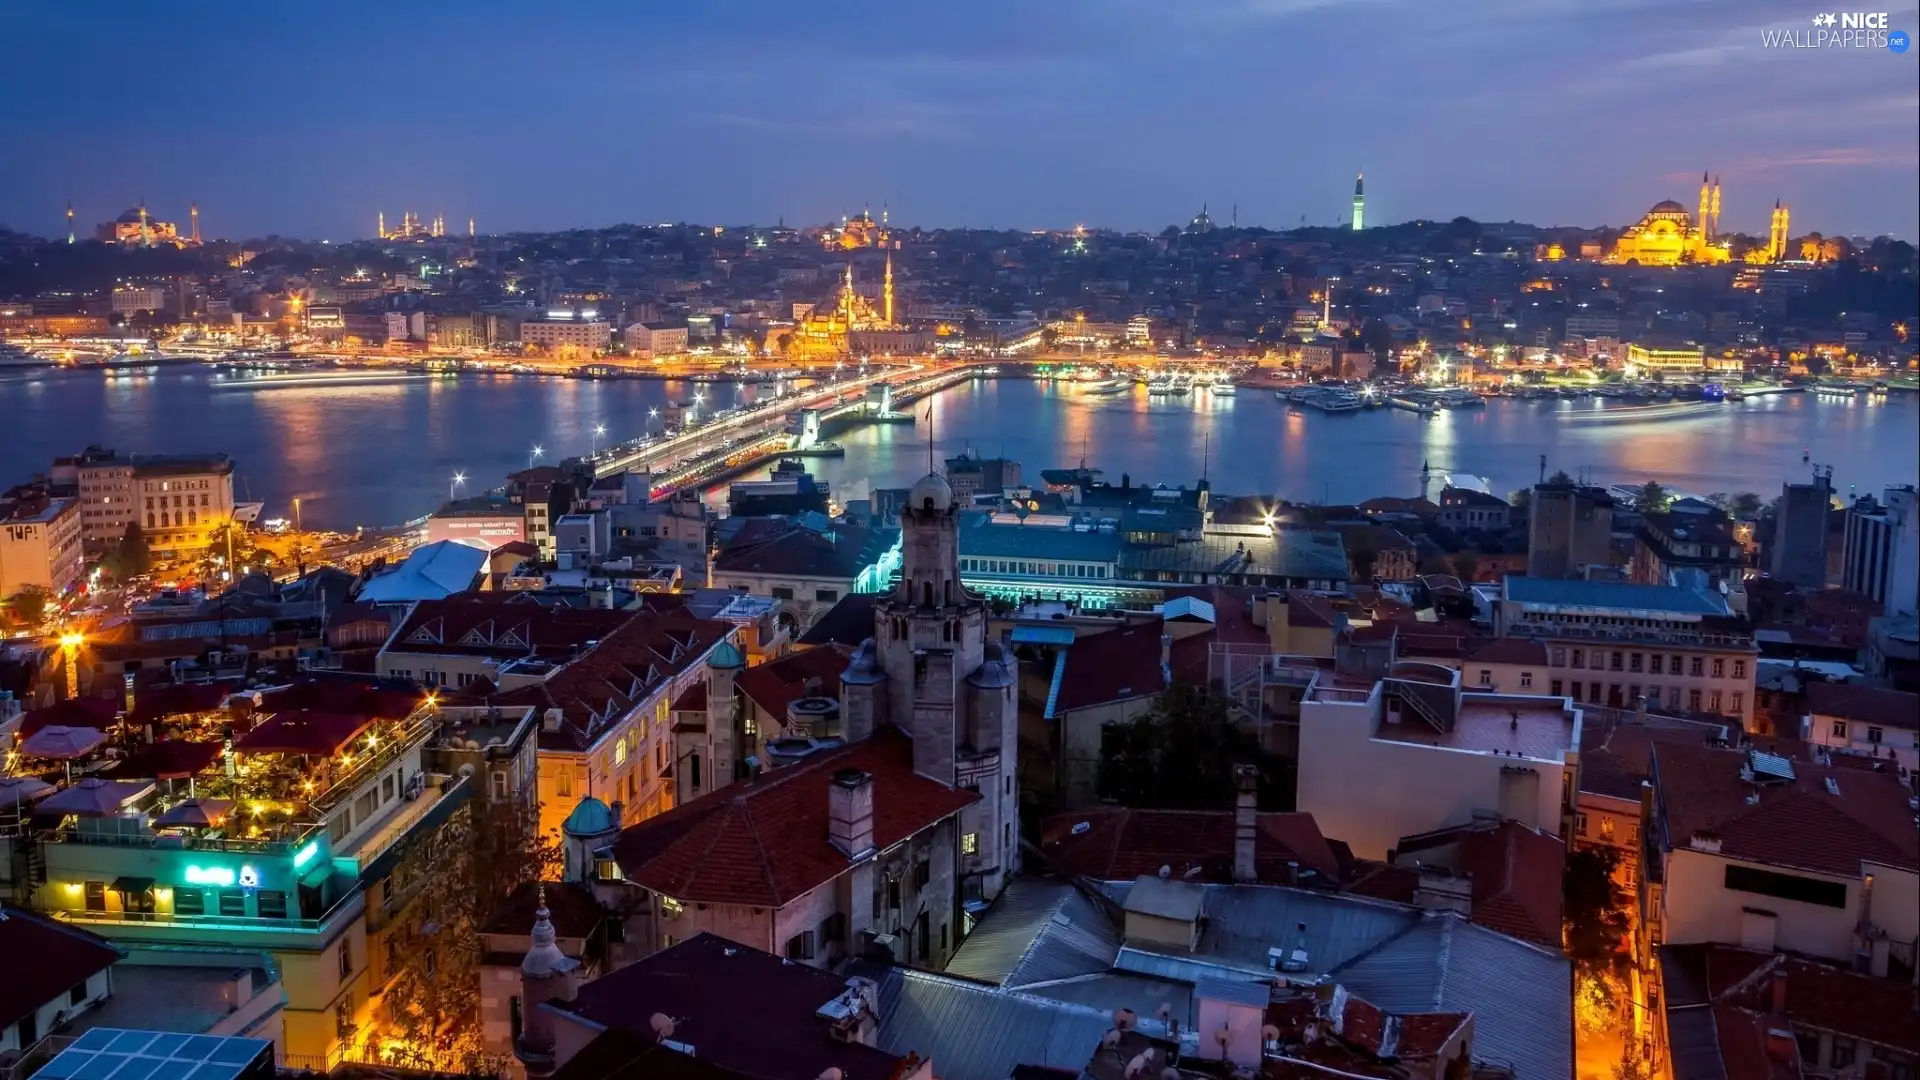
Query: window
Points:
[1580, 824]
[1839, 729]
[1577, 655]
[1606, 829]
[96, 896]
[1673, 697]
[78, 994]
[1557, 657]
[346, 959]
[1633, 662]
[563, 784]
[388, 785]
[1739, 669]
[1738, 705]
[1693, 700]
[1653, 664]
[1696, 666]
[1719, 668]
[1875, 734]
[781, 592]
[922, 874]
[272, 904]
[343, 1018]
[1556, 688]
[1713, 701]
[620, 751]
[1805, 890]
[893, 893]
[1593, 692]
[1613, 661]
[1843, 1050]
[970, 843]
[233, 903]
[499, 785]
[800, 946]
[1486, 677]
[189, 902]
[826, 596]
[1526, 679]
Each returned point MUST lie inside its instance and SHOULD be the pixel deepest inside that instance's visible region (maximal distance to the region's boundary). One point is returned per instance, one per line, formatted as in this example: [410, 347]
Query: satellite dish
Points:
[466, 771]
[1137, 1066]
[831, 1072]
[1224, 1036]
[1166, 872]
[662, 1025]
[1125, 1019]
[1164, 1012]
[1111, 1040]
[1270, 1033]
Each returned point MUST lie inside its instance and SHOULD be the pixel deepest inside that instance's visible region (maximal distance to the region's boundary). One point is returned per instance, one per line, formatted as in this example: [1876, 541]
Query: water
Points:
[381, 454]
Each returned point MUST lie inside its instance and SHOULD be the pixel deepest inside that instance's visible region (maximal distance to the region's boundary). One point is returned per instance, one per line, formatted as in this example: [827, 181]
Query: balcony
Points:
[1645, 635]
[166, 926]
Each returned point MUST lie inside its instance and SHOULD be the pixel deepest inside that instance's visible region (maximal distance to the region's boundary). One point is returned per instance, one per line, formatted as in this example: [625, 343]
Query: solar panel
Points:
[118, 1054]
[1771, 766]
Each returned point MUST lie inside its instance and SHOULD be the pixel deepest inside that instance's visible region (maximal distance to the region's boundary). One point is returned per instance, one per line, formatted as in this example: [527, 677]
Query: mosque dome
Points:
[1667, 206]
[931, 490]
[590, 818]
[996, 669]
[726, 655]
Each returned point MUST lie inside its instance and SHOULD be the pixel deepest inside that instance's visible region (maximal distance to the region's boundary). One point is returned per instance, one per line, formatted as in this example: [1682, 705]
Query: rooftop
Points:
[1867, 704]
[1114, 843]
[779, 547]
[1801, 814]
[1301, 554]
[46, 958]
[1038, 932]
[1612, 596]
[502, 626]
[808, 673]
[765, 842]
[980, 537]
[737, 1007]
[1112, 665]
[1540, 728]
[432, 572]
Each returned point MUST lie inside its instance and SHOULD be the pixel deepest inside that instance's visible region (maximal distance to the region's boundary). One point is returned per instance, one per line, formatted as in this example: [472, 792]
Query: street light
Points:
[593, 443]
[535, 456]
[453, 488]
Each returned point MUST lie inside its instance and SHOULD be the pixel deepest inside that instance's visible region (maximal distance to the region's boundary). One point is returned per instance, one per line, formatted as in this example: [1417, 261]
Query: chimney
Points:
[1779, 989]
[1640, 708]
[1246, 782]
[850, 813]
[1166, 656]
[1781, 1046]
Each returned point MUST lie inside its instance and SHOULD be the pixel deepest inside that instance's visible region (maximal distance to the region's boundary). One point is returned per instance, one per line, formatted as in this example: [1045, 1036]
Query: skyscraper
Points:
[1359, 200]
[1799, 554]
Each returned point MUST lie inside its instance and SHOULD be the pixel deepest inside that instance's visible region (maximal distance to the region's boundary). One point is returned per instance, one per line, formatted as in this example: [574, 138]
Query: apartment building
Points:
[559, 330]
[1865, 721]
[40, 542]
[178, 500]
[1569, 528]
[1608, 643]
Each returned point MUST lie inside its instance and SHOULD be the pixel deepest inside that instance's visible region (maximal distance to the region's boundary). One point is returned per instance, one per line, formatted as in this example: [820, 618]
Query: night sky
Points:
[307, 118]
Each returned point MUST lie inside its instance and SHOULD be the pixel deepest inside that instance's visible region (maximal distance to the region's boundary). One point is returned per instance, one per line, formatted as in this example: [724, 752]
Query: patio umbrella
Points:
[94, 797]
[19, 790]
[63, 744]
[83, 712]
[195, 814]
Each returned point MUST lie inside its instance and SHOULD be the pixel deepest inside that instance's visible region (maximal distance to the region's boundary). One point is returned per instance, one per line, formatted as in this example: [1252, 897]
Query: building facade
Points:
[178, 500]
[1569, 527]
[40, 544]
[1881, 550]
[1799, 555]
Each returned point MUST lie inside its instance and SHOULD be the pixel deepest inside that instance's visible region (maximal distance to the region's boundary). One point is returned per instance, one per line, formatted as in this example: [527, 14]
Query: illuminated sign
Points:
[249, 878]
[305, 855]
[209, 875]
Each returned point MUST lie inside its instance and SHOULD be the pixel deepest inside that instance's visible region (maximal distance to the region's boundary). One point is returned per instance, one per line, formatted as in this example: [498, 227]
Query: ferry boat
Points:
[1224, 384]
[1459, 397]
[1160, 384]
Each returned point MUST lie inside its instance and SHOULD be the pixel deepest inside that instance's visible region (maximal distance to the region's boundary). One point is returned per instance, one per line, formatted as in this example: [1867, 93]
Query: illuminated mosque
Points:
[1669, 236]
[138, 228]
[857, 232]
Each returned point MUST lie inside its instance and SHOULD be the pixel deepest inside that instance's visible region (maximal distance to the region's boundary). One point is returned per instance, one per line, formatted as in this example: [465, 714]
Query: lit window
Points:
[970, 843]
[620, 751]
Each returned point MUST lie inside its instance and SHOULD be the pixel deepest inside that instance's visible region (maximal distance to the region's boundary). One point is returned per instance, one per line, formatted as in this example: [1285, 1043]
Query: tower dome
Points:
[931, 492]
[726, 655]
[590, 817]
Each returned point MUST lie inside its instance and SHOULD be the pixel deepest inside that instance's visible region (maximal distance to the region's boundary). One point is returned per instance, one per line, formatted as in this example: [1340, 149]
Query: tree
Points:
[1747, 505]
[132, 558]
[1465, 565]
[29, 605]
[1652, 498]
[1596, 916]
[1181, 755]
[1522, 499]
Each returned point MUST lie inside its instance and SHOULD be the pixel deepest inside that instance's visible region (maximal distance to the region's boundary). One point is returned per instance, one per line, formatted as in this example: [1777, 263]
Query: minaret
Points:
[1426, 479]
[470, 232]
[69, 221]
[1703, 224]
[193, 211]
[546, 974]
[146, 235]
[383, 224]
[1359, 200]
[887, 289]
[1714, 232]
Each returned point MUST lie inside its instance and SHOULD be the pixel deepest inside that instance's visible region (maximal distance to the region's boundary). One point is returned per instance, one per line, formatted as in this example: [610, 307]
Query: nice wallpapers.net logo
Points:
[1840, 30]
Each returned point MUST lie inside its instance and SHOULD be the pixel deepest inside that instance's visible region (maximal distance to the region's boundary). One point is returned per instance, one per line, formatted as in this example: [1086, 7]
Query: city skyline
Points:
[991, 118]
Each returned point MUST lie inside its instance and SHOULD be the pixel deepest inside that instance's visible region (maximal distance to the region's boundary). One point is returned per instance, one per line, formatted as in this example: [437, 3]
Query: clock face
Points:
[249, 878]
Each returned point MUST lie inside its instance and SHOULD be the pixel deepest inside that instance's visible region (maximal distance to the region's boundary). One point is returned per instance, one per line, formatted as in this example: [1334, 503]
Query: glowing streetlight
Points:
[535, 455]
[454, 488]
[593, 443]
[70, 643]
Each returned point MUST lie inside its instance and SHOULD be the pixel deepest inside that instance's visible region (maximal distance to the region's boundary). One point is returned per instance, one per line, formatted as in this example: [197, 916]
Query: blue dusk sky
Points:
[307, 118]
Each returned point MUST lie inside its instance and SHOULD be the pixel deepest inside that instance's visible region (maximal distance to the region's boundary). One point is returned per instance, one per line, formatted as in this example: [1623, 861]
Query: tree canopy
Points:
[1181, 756]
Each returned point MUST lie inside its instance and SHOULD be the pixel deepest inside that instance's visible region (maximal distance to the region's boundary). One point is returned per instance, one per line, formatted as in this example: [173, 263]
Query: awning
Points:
[1043, 635]
[132, 885]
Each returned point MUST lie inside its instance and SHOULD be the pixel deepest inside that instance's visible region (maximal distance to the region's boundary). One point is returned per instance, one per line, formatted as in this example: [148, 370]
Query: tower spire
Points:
[1359, 200]
[887, 290]
[383, 225]
[193, 211]
[69, 221]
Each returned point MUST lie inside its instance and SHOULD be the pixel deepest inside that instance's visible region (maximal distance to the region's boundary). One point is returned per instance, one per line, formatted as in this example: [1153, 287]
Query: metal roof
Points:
[1612, 595]
[109, 1053]
[1292, 553]
[976, 1032]
[1043, 635]
[980, 538]
[1038, 931]
[1118, 990]
[1187, 607]
[1521, 995]
[1244, 921]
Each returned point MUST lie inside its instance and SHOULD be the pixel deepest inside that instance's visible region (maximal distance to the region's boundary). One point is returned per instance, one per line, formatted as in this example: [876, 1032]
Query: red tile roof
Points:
[742, 1009]
[1868, 704]
[1795, 823]
[304, 731]
[481, 624]
[1423, 1035]
[1517, 881]
[693, 698]
[1232, 624]
[168, 759]
[778, 683]
[45, 959]
[1113, 665]
[764, 843]
[1507, 651]
[571, 907]
[90, 712]
[344, 696]
[1616, 757]
[154, 703]
[1119, 844]
[622, 670]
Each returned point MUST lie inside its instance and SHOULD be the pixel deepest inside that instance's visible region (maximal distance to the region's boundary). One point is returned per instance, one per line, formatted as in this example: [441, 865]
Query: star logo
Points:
[1828, 19]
